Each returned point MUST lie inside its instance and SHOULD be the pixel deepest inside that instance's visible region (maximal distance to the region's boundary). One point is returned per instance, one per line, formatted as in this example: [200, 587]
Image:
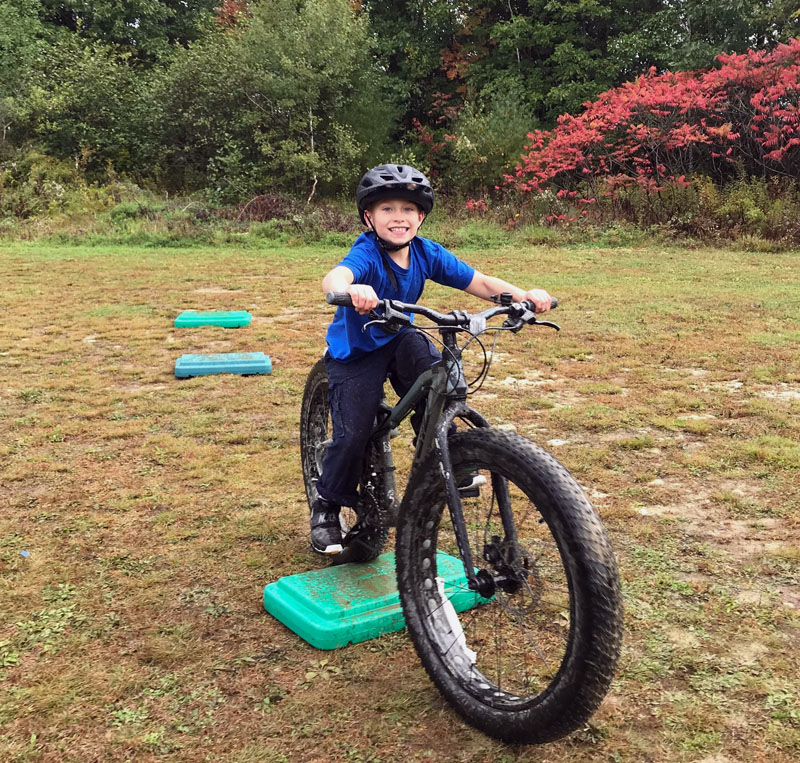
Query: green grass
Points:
[155, 510]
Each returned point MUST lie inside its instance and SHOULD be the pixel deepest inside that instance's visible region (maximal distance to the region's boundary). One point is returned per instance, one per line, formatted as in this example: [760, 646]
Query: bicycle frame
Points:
[445, 386]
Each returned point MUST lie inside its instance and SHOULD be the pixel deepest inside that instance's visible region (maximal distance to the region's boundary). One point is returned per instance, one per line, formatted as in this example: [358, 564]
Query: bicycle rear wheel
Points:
[533, 661]
[365, 527]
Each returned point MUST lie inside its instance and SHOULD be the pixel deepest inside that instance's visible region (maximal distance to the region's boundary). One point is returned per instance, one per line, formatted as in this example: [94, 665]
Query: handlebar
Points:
[394, 311]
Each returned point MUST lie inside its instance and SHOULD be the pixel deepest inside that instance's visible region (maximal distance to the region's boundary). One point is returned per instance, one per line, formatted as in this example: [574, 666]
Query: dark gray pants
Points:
[355, 391]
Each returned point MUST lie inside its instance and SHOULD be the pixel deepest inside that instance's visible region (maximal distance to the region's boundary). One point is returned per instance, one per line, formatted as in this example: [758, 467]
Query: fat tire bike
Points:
[526, 646]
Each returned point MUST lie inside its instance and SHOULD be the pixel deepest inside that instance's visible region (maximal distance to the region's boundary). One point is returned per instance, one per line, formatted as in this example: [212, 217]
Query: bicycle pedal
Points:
[471, 487]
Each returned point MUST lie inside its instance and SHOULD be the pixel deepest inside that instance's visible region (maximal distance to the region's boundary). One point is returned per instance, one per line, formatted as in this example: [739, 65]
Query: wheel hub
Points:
[507, 574]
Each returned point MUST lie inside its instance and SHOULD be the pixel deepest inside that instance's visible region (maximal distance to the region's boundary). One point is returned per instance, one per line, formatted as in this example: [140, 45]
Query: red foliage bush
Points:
[231, 12]
[741, 118]
[476, 205]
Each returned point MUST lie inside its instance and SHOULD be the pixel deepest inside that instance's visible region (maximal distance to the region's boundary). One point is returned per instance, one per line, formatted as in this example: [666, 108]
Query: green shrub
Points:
[133, 210]
[480, 235]
[344, 240]
[539, 235]
[32, 184]
[271, 230]
[759, 208]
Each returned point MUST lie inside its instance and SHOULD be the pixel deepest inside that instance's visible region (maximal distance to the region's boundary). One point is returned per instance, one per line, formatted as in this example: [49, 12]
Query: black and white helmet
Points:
[394, 181]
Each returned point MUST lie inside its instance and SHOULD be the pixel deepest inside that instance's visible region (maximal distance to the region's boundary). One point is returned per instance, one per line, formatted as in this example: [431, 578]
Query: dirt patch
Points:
[682, 637]
[695, 372]
[782, 391]
[790, 597]
[137, 389]
[218, 290]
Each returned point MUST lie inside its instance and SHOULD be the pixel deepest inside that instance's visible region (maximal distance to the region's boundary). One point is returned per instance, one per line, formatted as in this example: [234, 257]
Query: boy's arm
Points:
[341, 279]
[486, 287]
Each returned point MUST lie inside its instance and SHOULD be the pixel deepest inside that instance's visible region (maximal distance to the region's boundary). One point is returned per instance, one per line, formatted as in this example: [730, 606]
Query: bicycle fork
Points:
[501, 554]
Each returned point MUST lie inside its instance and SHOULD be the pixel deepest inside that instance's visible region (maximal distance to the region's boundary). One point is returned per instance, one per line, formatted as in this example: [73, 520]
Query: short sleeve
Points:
[446, 268]
[359, 261]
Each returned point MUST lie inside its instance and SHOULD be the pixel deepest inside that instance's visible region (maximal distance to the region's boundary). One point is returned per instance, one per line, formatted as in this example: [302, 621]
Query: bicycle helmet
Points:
[394, 181]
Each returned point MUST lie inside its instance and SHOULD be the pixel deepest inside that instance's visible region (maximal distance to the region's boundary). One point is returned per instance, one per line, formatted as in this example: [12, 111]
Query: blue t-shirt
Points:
[427, 260]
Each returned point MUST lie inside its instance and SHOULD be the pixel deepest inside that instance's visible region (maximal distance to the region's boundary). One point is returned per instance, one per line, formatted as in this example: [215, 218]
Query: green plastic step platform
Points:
[231, 320]
[351, 603]
[222, 363]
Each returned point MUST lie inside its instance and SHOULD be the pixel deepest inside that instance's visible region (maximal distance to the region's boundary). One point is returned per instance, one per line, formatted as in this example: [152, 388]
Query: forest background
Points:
[171, 117]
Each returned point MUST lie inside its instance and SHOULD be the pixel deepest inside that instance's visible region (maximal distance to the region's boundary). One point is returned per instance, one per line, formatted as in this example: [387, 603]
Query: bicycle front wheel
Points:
[531, 660]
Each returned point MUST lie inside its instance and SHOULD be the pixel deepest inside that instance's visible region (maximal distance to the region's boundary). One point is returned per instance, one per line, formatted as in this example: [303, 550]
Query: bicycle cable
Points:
[431, 333]
[488, 361]
[477, 383]
[428, 331]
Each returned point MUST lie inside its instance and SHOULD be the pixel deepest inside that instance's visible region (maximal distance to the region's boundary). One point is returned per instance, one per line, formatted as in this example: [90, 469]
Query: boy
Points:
[388, 262]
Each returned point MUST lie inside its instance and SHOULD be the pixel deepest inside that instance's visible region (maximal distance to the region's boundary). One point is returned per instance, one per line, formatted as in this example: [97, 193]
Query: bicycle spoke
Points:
[518, 636]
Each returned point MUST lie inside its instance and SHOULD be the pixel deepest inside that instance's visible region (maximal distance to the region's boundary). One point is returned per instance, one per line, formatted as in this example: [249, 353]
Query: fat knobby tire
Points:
[314, 424]
[592, 646]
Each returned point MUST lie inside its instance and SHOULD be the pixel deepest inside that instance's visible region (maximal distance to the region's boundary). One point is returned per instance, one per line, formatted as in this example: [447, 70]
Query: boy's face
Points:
[395, 220]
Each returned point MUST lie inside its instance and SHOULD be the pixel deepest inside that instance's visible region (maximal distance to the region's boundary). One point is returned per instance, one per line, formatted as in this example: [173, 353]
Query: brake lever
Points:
[547, 324]
[513, 326]
[377, 321]
[523, 315]
[395, 316]
[390, 321]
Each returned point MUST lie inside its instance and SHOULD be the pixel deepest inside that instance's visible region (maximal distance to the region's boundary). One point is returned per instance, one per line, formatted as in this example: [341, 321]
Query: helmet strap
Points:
[382, 248]
[389, 247]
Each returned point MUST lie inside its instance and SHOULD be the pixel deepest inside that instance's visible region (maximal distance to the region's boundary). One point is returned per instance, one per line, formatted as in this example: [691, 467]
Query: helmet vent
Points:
[366, 182]
[399, 170]
[387, 177]
[418, 180]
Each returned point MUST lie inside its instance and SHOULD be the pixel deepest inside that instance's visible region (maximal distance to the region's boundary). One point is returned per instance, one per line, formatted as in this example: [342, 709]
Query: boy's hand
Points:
[540, 298]
[364, 297]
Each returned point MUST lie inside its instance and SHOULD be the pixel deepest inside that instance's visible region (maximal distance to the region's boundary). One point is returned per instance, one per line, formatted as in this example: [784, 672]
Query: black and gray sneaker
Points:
[326, 530]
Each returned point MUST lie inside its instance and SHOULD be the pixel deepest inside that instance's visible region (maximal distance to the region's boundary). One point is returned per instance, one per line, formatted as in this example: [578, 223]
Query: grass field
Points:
[153, 510]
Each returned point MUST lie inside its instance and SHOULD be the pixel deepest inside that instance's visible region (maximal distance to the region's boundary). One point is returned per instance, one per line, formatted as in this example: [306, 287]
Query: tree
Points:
[556, 54]
[286, 100]
[86, 103]
[146, 29]
[407, 39]
[553, 54]
[21, 46]
[701, 29]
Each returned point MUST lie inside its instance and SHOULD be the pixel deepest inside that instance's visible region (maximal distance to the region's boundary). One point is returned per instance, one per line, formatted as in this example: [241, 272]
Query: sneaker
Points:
[326, 530]
[469, 486]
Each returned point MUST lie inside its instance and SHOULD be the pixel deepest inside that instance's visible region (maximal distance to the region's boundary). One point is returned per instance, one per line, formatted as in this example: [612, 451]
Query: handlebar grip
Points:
[339, 298]
[553, 303]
